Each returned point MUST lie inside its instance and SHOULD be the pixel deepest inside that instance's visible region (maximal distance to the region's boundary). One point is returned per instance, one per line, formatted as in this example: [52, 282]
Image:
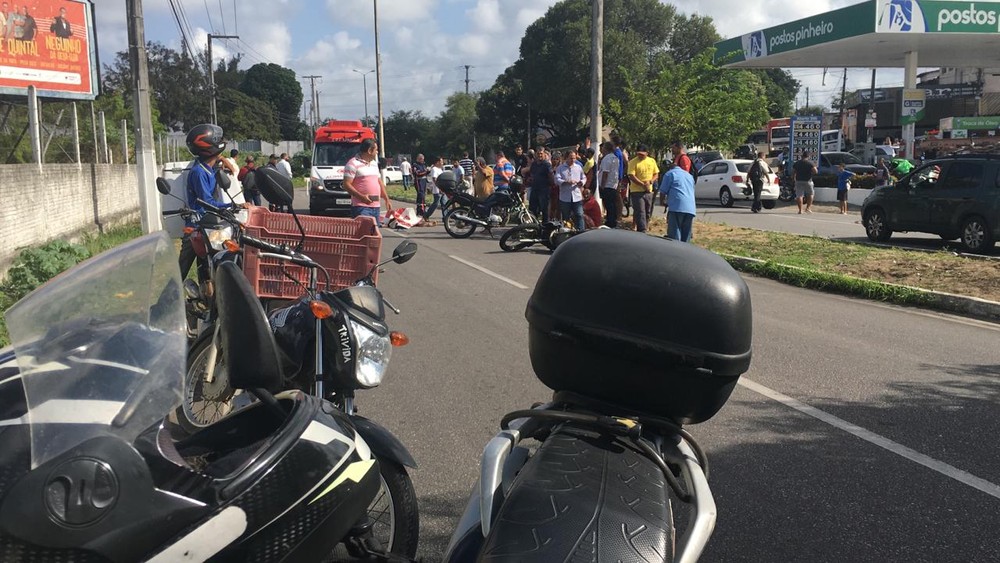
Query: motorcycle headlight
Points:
[373, 355]
[218, 237]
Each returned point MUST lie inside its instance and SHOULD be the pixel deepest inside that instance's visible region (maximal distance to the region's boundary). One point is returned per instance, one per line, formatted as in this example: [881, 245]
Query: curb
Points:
[973, 307]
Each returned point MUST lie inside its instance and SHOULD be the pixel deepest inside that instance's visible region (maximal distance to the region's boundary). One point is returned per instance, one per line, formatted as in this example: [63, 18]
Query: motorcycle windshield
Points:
[101, 347]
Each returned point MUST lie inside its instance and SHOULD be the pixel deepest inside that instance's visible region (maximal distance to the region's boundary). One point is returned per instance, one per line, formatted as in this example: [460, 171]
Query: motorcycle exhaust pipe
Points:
[467, 219]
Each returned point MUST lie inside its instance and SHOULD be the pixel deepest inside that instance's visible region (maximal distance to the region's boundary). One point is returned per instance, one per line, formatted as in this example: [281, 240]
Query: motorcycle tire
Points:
[511, 240]
[204, 403]
[396, 527]
[456, 228]
[626, 206]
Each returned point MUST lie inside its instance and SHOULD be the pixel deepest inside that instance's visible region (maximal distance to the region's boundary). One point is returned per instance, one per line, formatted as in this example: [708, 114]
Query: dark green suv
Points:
[956, 197]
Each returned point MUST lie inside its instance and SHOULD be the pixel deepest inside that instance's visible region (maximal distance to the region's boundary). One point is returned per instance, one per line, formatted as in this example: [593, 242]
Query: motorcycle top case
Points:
[652, 325]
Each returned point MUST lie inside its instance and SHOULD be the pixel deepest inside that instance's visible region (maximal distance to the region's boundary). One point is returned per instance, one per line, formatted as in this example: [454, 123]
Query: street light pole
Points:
[378, 88]
[211, 72]
[364, 82]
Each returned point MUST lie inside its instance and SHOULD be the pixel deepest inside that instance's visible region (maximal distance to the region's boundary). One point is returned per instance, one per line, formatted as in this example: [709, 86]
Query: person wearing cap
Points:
[642, 174]
[249, 167]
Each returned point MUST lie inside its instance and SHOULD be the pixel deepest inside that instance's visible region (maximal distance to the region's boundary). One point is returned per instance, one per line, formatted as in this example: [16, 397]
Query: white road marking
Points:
[941, 467]
[490, 273]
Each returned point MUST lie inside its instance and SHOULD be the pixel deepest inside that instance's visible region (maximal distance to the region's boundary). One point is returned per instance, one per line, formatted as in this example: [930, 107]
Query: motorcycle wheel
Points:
[626, 205]
[786, 193]
[204, 403]
[457, 228]
[396, 527]
[526, 218]
[512, 240]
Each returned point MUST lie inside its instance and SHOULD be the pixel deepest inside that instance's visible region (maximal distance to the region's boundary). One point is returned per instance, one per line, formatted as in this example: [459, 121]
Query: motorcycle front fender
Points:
[382, 442]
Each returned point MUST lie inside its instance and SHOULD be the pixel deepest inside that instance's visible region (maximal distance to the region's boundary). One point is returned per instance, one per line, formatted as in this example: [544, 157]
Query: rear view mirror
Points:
[222, 180]
[250, 182]
[275, 186]
[162, 186]
[404, 252]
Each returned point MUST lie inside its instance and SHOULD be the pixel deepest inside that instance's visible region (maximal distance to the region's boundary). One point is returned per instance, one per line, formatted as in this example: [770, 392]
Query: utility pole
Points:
[211, 71]
[871, 107]
[313, 117]
[596, 72]
[76, 135]
[145, 170]
[364, 83]
[36, 137]
[843, 104]
[807, 96]
[378, 87]
[467, 67]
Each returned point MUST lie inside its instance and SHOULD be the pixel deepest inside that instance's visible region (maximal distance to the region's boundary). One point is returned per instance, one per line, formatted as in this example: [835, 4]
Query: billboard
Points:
[48, 44]
[807, 134]
[914, 102]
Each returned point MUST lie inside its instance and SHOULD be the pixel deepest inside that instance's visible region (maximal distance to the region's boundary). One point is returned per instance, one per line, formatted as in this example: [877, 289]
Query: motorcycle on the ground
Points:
[549, 234]
[89, 470]
[466, 213]
[594, 474]
[332, 344]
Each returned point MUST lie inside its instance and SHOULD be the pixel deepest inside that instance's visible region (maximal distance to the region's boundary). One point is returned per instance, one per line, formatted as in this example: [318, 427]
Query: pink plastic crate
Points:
[346, 248]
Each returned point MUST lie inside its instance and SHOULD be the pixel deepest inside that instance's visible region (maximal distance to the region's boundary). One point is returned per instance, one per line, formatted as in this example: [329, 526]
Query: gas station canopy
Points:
[876, 33]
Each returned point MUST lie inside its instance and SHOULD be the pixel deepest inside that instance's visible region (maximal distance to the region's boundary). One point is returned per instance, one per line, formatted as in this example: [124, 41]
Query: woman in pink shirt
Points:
[363, 180]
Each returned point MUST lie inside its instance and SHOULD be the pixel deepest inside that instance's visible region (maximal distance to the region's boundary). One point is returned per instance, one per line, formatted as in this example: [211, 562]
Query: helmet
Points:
[516, 182]
[205, 140]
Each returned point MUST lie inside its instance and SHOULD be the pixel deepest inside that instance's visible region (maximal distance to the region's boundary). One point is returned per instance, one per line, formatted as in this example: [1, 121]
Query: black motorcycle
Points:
[593, 475]
[332, 344]
[549, 234]
[466, 213]
[90, 471]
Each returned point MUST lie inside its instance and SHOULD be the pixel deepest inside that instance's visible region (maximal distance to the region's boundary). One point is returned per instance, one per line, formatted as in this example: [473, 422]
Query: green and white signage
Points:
[913, 105]
[926, 16]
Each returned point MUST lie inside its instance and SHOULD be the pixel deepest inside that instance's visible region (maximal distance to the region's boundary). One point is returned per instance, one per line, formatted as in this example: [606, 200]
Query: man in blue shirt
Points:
[206, 143]
[678, 186]
[843, 184]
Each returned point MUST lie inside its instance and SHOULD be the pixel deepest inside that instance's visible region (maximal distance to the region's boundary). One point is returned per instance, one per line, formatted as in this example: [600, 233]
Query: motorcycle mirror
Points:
[404, 252]
[162, 186]
[223, 180]
[274, 186]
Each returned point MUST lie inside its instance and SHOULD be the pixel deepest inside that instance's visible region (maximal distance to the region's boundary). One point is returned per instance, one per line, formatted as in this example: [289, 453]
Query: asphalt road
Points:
[862, 432]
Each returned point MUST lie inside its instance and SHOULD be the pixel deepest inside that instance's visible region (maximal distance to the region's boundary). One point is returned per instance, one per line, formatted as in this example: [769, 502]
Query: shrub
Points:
[864, 181]
[35, 266]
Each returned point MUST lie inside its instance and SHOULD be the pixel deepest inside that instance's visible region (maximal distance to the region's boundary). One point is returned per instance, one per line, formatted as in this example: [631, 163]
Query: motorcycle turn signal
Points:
[320, 309]
[398, 339]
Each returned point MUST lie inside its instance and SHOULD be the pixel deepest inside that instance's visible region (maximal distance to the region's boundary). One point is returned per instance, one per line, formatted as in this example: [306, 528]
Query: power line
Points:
[222, 15]
[208, 12]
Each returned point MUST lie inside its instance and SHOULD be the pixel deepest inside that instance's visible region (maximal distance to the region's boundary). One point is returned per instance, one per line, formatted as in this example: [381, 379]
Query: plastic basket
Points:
[346, 248]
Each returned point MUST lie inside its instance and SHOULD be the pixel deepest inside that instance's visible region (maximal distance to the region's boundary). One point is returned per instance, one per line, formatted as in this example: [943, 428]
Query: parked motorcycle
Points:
[550, 234]
[468, 213]
[90, 472]
[612, 456]
[332, 344]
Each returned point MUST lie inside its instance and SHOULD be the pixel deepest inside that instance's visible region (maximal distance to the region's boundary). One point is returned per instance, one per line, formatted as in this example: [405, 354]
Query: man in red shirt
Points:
[249, 167]
[363, 180]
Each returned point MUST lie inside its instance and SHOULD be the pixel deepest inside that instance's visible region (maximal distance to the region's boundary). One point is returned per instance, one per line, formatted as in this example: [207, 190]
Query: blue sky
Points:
[425, 43]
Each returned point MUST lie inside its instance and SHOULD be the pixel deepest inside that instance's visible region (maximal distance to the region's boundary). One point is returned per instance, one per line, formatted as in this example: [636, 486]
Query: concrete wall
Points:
[62, 201]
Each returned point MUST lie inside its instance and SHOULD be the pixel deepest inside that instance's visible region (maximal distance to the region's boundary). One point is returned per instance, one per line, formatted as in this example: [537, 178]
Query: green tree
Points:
[409, 131]
[811, 110]
[780, 89]
[720, 106]
[456, 124]
[691, 36]
[278, 86]
[497, 111]
[243, 117]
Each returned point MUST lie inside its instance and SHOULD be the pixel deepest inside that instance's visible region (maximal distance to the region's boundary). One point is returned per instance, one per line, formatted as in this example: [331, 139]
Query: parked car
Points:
[747, 151]
[725, 181]
[888, 152]
[956, 198]
[700, 158]
[828, 162]
[393, 174]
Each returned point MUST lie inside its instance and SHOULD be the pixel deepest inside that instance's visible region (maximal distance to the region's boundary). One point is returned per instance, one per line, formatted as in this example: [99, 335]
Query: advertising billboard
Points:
[48, 44]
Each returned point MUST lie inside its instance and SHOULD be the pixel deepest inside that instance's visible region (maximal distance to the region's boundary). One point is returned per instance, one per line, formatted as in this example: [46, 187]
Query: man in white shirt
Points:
[571, 178]
[436, 170]
[608, 178]
[407, 171]
[284, 166]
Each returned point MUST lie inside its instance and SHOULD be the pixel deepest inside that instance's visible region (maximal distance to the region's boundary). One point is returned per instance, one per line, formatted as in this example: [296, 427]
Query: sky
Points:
[425, 44]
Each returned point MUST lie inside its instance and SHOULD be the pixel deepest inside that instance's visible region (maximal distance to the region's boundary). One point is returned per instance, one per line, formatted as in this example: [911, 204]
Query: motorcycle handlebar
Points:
[174, 212]
[264, 246]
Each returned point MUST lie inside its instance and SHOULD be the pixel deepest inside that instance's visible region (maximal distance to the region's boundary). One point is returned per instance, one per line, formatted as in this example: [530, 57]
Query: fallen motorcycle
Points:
[549, 234]
[594, 474]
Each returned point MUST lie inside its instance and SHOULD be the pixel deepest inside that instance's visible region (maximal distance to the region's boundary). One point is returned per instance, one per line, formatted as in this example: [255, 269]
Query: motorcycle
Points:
[611, 456]
[332, 344]
[91, 472]
[466, 213]
[550, 234]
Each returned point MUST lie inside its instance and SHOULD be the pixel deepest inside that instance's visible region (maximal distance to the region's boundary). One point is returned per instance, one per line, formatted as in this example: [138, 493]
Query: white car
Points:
[725, 180]
[393, 174]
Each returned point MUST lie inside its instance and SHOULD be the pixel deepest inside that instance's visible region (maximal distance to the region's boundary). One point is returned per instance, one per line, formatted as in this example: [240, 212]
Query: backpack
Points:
[756, 173]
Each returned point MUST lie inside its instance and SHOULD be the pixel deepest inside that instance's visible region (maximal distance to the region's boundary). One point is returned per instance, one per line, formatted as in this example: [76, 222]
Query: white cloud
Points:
[527, 16]
[359, 14]
[485, 17]
[475, 45]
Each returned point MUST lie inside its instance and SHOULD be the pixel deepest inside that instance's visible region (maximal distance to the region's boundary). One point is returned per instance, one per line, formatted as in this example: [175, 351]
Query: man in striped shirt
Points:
[468, 167]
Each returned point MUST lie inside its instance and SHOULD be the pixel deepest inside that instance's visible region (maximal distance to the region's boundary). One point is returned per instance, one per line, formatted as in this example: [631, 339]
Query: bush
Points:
[865, 181]
[35, 266]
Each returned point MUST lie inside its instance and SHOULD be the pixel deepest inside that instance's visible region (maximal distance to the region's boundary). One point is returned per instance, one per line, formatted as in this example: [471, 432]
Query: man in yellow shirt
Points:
[642, 175]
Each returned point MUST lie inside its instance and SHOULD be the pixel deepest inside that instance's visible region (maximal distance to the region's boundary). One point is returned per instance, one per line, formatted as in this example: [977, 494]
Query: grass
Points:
[396, 192]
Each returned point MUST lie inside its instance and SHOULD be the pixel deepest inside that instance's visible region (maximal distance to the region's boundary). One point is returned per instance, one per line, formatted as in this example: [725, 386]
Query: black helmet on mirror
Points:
[205, 140]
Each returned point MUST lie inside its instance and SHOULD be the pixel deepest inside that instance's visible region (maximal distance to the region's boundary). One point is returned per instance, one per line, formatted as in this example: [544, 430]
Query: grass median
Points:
[853, 269]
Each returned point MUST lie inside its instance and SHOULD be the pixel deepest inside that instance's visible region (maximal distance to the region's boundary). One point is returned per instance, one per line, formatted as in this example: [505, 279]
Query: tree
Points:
[456, 124]
[692, 35]
[720, 106]
[243, 117]
[278, 86]
[810, 110]
[497, 110]
[410, 132]
[780, 89]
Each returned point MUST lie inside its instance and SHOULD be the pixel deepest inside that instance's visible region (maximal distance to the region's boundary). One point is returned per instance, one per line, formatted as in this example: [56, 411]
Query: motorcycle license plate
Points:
[344, 201]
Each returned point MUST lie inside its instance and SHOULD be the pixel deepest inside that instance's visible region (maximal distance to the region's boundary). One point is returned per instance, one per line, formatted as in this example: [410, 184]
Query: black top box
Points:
[651, 324]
